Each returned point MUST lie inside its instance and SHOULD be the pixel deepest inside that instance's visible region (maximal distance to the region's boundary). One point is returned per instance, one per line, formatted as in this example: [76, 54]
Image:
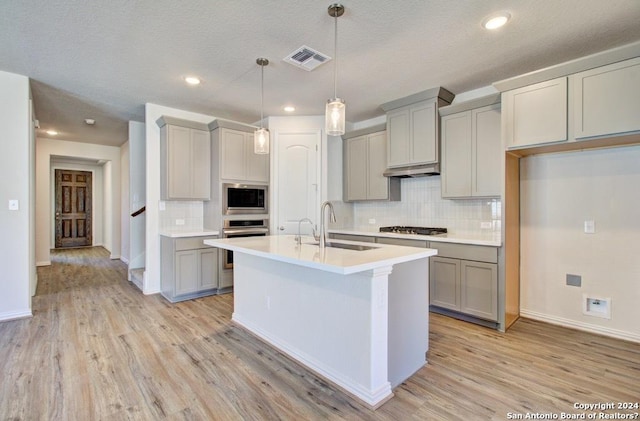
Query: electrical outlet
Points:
[486, 225]
[574, 280]
[179, 221]
[372, 221]
[589, 227]
[14, 204]
[161, 205]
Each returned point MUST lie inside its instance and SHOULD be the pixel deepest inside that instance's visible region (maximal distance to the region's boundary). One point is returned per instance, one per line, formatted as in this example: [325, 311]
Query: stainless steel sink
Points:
[357, 247]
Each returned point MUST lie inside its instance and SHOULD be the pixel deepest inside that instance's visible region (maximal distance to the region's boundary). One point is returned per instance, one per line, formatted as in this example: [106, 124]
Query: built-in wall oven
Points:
[234, 228]
[244, 199]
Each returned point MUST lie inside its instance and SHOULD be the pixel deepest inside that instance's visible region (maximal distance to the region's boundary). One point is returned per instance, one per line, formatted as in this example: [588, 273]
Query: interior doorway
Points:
[73, 208]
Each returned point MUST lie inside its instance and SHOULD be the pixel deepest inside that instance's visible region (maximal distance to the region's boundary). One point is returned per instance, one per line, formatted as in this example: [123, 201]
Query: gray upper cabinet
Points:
[535, 114]
[413, 136]
[365, 159]
[606, 100]
[471, 148]
[185, 165]
[412, 128]
[237, 161]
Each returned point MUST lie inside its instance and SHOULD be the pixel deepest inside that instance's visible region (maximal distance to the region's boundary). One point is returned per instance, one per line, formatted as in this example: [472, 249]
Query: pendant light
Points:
[335, 110]
[261, 136]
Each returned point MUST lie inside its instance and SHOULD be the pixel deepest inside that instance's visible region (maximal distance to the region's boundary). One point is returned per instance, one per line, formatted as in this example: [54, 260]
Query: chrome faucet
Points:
[299, 236]
[332, 218]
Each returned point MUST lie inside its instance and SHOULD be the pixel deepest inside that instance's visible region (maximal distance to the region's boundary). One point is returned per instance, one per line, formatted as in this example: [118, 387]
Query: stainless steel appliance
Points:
[235, 228]
[414, 230]
[244, 199]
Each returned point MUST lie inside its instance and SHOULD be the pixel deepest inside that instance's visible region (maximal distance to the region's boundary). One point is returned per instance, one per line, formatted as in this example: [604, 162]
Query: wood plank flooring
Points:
[98, 349]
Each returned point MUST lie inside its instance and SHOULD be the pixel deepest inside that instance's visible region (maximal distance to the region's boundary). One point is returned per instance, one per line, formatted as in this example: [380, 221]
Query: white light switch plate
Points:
[589, 227]
[14, 204]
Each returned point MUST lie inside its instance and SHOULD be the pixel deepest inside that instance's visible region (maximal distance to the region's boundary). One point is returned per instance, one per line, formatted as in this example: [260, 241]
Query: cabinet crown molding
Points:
[567, 68]
[230, 124]
[442, 94]
[469, 105]
[367, 130]
[165, 120]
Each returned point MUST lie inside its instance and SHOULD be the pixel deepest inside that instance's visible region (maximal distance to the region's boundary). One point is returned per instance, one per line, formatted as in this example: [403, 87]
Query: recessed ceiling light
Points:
[52, 132]
[289, 108]
[192, 80]
[90, 121]
[496, 20]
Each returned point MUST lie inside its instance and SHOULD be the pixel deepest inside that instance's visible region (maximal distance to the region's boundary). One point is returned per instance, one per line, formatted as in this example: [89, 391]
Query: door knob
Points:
[281, 227]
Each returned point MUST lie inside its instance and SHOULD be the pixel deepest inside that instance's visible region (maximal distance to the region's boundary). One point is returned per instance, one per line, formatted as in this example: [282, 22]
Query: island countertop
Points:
[283, 248]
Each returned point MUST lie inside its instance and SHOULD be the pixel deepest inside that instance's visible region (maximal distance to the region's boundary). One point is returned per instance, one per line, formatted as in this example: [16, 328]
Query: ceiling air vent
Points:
[307, 58]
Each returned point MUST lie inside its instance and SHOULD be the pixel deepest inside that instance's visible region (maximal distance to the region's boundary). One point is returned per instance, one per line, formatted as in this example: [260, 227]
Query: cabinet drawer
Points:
[466, 252]
[192, 243]
[401, 242]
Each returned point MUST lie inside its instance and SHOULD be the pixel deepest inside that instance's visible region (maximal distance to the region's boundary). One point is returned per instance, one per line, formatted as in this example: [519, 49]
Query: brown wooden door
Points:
[73, 208]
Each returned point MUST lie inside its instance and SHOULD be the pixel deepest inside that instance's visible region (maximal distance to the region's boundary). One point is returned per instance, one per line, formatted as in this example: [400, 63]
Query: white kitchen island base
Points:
[366, 331]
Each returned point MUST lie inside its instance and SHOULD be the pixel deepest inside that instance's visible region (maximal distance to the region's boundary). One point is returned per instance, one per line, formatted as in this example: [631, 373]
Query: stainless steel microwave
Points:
[242, 199]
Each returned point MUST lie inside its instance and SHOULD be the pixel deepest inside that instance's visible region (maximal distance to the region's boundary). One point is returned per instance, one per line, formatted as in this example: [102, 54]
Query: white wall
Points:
[558, 193]
[125, 209]
[137, 193]
[110, 211]
[16, 176]
[153, 218]
[45, 149]
[97, 192]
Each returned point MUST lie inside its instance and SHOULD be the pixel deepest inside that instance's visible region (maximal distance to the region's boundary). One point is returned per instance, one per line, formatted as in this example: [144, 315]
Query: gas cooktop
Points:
[414, 230]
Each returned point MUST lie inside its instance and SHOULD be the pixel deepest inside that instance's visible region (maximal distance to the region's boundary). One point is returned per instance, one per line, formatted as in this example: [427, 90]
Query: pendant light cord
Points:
[335, 53]
[261, 94]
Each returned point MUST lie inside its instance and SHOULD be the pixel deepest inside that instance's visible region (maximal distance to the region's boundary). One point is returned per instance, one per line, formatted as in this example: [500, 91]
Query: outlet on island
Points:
[179, 221]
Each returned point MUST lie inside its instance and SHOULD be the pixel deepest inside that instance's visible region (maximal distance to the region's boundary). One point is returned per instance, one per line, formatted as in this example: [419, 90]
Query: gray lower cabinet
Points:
[189, 268]
[464, 278]
[402, 242]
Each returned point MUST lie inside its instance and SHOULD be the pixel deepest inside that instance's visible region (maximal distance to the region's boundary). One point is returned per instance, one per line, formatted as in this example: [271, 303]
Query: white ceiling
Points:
[104, 59]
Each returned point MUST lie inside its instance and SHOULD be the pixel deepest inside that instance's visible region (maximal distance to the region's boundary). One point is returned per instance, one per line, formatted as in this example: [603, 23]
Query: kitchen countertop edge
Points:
[283, 249]
[174, 233]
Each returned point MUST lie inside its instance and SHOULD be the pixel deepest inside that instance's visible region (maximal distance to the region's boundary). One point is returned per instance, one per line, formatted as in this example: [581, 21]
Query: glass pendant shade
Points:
[261, 141]
[335, 117]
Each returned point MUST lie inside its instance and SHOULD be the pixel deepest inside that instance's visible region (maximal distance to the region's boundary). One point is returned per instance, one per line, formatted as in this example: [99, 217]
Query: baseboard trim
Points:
[14, 315]
[586, 327]
[44, 263]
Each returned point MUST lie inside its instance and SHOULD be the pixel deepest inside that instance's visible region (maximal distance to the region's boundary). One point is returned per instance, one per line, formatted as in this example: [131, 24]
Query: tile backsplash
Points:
[188, 211]
[421, 205]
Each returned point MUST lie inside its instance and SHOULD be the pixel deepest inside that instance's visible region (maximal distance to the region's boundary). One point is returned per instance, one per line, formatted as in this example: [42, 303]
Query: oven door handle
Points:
[246, 231]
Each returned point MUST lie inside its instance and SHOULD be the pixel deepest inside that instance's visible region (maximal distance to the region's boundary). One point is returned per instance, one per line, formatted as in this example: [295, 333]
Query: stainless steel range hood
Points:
[414, 171]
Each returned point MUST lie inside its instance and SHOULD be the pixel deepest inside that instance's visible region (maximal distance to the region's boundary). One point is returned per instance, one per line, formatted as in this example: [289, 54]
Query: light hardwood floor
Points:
[97, 348]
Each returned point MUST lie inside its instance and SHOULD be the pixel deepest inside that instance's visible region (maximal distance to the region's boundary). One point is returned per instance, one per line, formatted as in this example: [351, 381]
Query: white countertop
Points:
[489, 238]
[189, 232]
[283, 248]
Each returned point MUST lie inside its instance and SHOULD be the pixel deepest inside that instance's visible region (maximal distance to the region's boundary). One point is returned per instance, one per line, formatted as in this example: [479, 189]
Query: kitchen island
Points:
[359, 318]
